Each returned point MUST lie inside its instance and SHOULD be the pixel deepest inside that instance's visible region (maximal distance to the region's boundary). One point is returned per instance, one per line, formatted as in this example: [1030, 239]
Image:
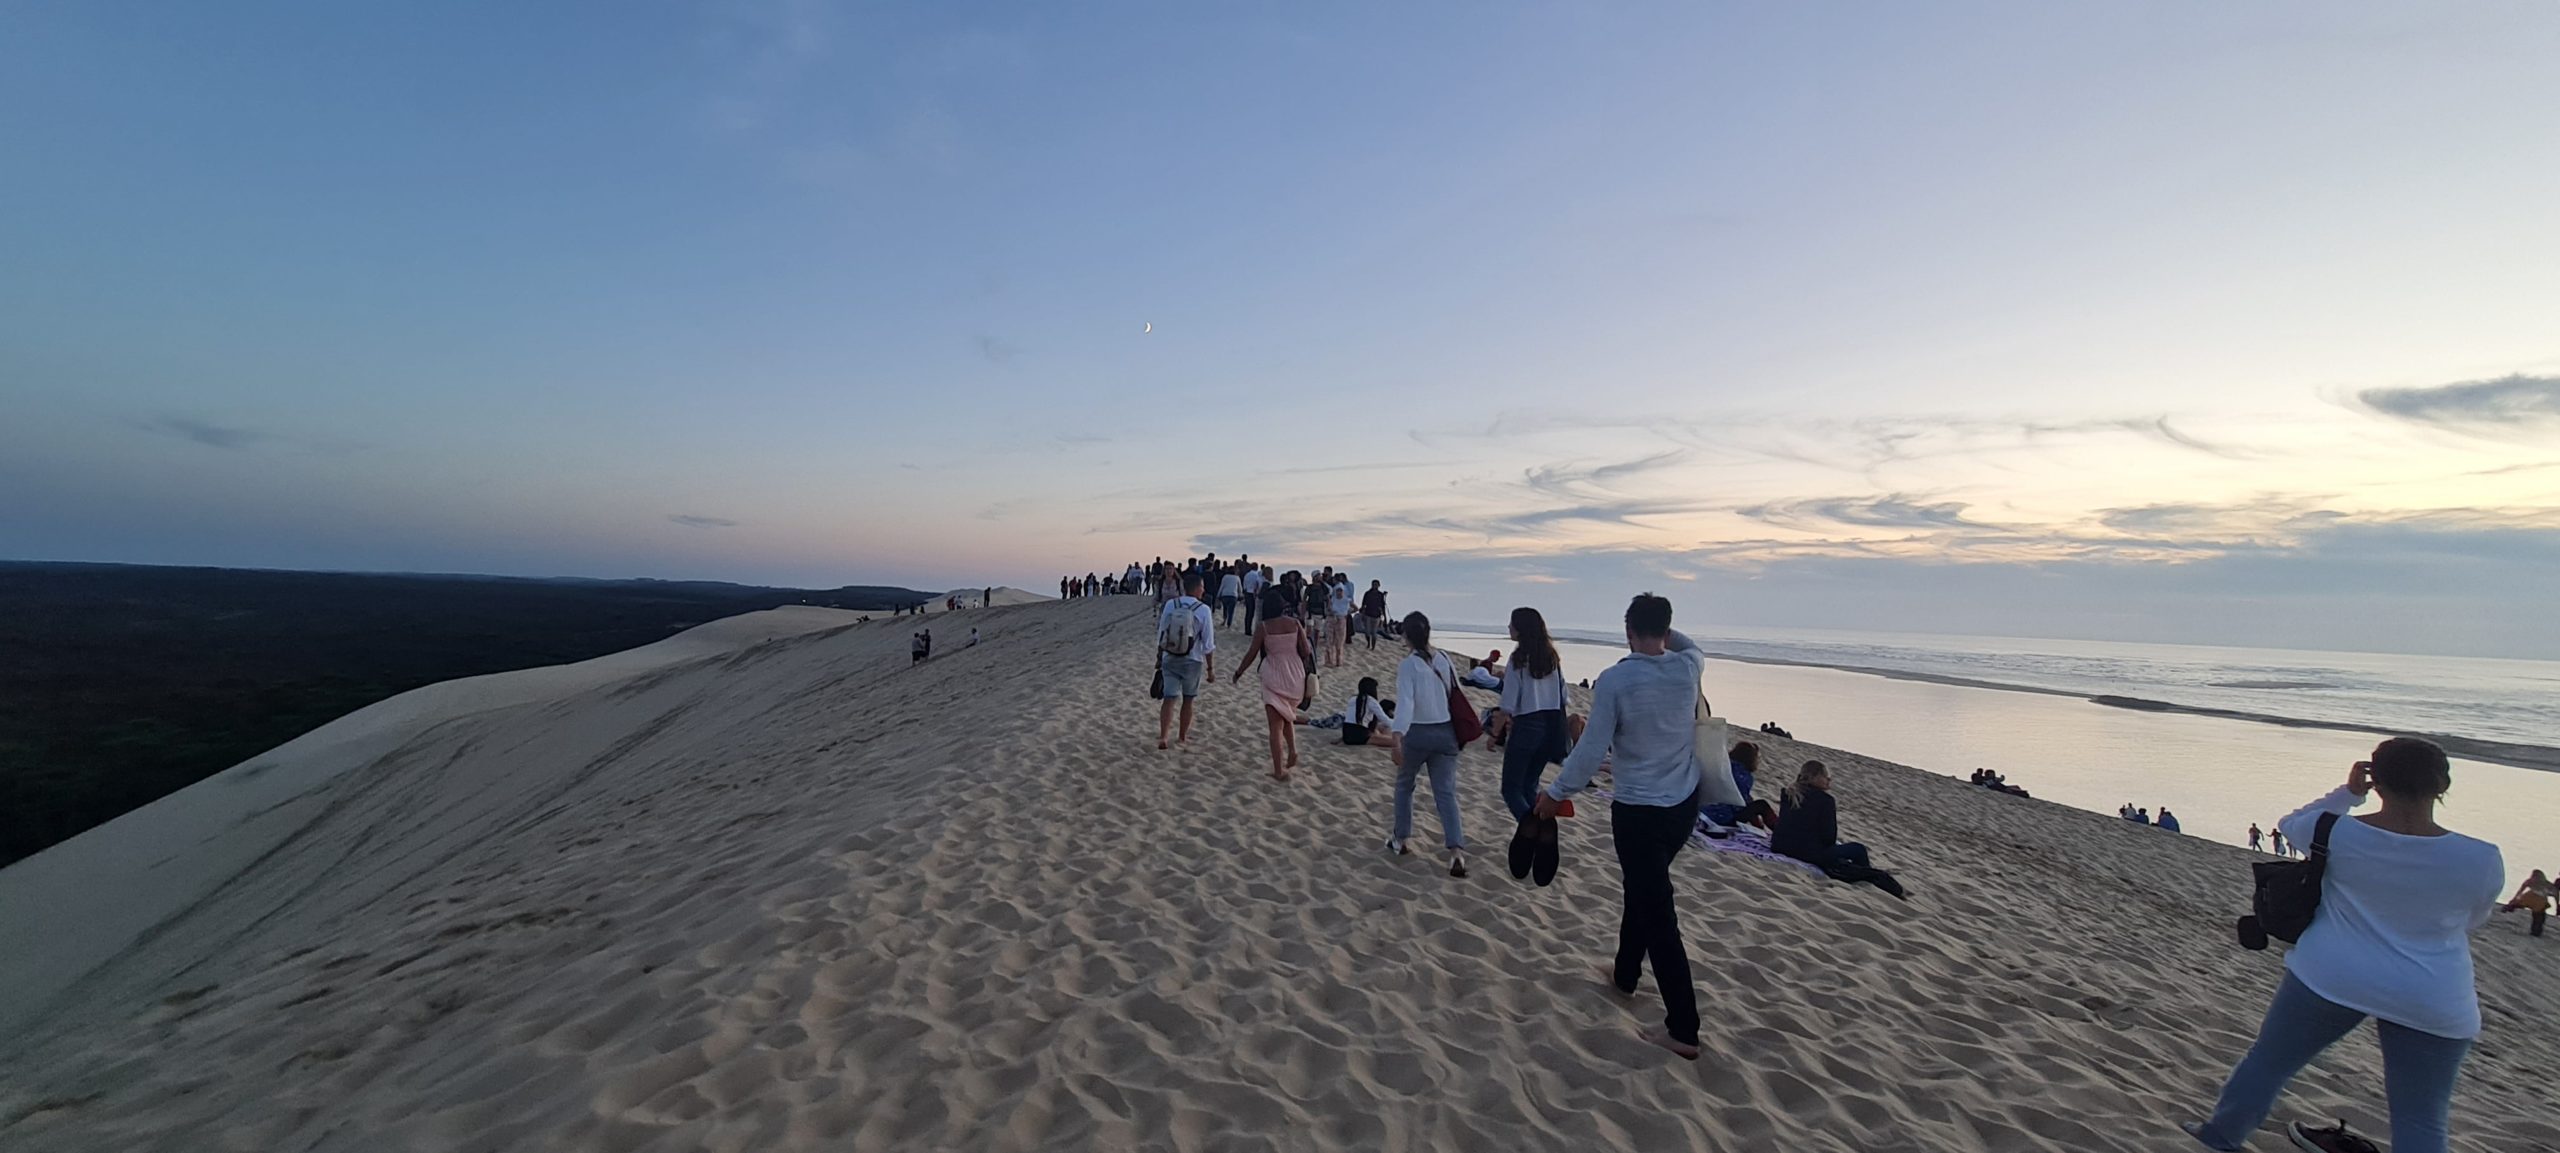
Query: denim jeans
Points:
[1647, 837]
[1227, 606]
[1536, 741]
[2417, 1071]
[1432, 747]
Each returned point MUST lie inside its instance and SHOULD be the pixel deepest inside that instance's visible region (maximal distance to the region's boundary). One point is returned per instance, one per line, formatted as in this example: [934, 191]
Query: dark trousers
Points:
[1228, 604]
[1536, 741]
[1647, 838]
[1252, 610]
[1845, 853]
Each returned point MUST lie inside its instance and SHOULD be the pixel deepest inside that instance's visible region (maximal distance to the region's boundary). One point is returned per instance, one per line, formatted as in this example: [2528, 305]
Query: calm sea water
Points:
[2218, 775]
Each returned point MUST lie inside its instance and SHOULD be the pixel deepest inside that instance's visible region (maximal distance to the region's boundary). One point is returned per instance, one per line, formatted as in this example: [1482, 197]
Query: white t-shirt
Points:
[1205, 637]
[1355, 714]
[1253, 580]
[1229, 585]
[1522, 693]
[1338, 600]
[1422, 690]
[2392, 938]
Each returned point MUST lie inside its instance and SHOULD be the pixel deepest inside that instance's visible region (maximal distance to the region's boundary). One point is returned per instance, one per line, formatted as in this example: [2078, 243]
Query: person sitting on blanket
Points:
[1488, 672]
[1745, 761]
[1809, 831]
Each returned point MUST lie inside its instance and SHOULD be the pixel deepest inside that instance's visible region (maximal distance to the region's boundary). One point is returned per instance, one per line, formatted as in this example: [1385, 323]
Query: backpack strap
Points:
[2320, 835]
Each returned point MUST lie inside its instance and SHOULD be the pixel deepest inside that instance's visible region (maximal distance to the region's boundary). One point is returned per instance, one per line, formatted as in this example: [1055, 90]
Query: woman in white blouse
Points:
[1531, 715]
[1426, 741]
[2392, 941]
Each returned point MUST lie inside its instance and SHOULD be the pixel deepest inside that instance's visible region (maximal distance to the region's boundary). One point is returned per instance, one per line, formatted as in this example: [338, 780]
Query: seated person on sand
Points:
[1364, 718]
[1744, 762]
[1809, 830]
[1487, 673]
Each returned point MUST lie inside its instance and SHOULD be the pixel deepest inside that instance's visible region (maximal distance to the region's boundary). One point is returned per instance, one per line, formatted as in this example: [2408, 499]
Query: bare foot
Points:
[1280, 775]
[1160, 745]
[1293, 759]
[1682, 1050]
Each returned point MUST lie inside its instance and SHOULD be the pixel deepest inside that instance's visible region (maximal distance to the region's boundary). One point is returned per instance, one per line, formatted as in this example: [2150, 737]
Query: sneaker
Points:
[1457, 864]
[2327, 1139]
[1396, 848]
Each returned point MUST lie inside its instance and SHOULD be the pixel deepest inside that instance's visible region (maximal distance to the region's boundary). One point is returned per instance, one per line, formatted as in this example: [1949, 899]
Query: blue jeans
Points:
[1536, 741]
[2417, 1071]
[1433, 747]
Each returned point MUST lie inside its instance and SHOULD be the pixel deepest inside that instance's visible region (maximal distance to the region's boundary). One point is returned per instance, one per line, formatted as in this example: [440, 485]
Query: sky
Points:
[2229, 324]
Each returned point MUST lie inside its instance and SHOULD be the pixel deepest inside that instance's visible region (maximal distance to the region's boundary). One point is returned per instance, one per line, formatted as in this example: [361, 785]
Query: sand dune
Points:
[791, 894]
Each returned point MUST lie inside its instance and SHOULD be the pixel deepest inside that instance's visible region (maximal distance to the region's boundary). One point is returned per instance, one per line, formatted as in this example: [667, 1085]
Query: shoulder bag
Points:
[2288, 892]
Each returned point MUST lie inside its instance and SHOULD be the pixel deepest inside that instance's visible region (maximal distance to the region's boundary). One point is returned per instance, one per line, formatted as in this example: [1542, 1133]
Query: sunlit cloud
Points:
[690, 520]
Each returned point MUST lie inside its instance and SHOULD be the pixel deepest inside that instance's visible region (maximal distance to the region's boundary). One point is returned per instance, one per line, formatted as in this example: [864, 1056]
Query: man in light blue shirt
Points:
[1644, 720]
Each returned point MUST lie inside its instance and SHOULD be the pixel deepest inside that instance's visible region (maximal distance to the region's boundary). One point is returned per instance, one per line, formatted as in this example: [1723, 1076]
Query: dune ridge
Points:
[784, 892]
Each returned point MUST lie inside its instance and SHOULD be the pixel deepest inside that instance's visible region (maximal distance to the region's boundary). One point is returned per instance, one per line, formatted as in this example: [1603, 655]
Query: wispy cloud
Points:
[997, 349]
[690, 520]
[1575, 482]
[204, 432]
[1084, 438]
[1893, 510]
[2508, 403]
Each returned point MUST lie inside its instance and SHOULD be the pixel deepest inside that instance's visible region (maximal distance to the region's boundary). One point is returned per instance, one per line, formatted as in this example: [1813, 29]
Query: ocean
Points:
[2217, 774]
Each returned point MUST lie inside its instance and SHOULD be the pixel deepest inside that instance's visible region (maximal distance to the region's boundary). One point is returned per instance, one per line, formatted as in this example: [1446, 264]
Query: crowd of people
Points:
[2407, 892]
[1641, 725]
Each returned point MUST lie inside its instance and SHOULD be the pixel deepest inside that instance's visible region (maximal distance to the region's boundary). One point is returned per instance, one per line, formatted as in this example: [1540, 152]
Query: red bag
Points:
[1463, 721]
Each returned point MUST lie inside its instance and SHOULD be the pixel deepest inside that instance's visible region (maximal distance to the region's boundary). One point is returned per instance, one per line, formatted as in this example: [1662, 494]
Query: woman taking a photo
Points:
[2392, 941]
[1531, 715]
[1426, 740]
[1282, 647]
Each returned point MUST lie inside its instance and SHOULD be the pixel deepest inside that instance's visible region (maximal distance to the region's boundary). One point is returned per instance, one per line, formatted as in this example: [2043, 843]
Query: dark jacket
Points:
[1807, 829]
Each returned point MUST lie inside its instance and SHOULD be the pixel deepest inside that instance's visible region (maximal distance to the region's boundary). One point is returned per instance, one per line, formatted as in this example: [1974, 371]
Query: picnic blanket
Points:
[1745, 841]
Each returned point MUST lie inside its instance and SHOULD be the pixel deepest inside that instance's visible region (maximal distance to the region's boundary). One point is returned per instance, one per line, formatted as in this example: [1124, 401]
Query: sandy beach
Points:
[768, 887]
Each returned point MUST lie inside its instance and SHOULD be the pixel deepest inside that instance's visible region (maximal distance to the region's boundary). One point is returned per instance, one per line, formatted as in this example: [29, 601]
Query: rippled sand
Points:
[787, 893]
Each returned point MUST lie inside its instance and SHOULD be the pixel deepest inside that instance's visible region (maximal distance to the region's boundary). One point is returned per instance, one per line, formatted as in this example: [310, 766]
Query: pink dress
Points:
[1284, 672]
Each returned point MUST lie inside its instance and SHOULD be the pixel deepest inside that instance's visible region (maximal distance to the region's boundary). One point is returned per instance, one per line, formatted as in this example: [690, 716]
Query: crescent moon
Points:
[1151, 327]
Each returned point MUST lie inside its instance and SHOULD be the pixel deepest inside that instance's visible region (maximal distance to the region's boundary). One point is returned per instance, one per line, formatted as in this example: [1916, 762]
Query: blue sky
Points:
[2117, 320]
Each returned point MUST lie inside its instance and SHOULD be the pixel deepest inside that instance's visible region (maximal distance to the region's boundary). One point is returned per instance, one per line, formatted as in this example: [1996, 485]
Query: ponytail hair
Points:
[1417, 632]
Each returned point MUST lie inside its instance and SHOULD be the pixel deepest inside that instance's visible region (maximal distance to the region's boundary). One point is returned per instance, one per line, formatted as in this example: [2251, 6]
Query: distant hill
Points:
[121, 683]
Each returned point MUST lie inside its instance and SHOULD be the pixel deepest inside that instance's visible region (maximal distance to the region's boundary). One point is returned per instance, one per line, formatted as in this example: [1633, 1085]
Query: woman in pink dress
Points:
[1280, 642]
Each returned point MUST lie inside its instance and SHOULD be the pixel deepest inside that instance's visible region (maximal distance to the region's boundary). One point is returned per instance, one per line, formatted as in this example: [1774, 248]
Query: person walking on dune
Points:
[1282, 647]
[1426, 737]
[1643, 719]
[1337, 618]
[1183, 638]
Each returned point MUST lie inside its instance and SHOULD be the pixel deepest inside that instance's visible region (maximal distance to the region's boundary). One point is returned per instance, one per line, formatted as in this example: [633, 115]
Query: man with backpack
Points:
[1184, 641]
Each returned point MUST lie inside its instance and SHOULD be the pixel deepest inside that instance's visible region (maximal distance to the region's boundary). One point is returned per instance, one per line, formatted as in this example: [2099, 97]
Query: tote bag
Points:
[1715, 766]
[1463, 721]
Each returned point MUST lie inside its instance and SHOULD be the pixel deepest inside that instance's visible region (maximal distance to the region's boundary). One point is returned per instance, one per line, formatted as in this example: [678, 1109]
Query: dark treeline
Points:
[120, 684]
